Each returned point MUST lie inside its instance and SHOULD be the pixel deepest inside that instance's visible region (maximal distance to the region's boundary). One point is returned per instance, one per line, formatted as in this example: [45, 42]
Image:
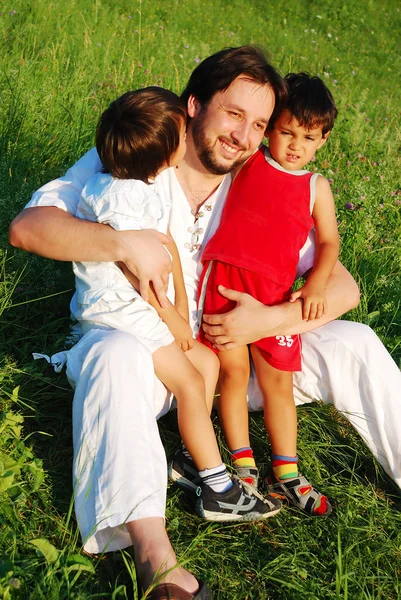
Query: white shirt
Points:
[65, 192]
[124, 204]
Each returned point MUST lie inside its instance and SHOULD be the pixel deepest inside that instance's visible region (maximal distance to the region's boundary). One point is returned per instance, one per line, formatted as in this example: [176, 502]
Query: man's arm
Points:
[251, 320]
[49, 228]
[54, 233]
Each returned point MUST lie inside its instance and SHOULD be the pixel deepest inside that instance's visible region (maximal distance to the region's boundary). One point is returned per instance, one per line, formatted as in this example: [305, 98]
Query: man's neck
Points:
[196, 182]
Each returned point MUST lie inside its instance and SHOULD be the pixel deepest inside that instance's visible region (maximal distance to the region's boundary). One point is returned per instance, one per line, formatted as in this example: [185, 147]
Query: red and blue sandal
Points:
[300, 493]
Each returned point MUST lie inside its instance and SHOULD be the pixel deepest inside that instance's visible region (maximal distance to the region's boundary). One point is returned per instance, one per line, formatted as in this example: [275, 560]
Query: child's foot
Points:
[183, 472]
[300, 493]
[240, 503]
[244, 464]
[248, 474]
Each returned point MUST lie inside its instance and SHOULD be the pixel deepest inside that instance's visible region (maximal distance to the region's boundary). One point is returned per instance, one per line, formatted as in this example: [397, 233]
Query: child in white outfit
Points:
[138, 136]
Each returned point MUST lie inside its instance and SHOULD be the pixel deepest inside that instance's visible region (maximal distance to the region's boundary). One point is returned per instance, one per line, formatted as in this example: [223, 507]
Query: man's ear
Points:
[323, 140]
[193, 107]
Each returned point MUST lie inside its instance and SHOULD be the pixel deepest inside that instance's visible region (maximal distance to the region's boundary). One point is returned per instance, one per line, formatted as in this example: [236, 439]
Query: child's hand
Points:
[182, 332]
[314, 301]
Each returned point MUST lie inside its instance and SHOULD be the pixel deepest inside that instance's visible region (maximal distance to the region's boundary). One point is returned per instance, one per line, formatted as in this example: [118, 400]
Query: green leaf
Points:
[373, 317]
[6, 481]
[6, 567]
[46, 548]
[36, 469]
[14, 395]
[87, 568]
[77, 559]
[77, 562]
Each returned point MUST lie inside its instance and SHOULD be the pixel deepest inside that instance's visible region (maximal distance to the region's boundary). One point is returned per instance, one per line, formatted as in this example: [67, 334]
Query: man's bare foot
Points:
[155, 559]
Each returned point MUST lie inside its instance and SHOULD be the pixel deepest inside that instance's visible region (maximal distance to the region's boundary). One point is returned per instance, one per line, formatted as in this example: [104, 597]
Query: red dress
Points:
[264, 225]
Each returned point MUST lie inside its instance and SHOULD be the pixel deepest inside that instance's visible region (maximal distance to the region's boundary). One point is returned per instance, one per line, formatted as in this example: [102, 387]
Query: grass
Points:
[60, 66]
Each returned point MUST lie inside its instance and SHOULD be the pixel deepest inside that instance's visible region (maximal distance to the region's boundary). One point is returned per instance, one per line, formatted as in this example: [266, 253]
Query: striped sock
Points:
[284, 467]
[243, 457]
[217, 478]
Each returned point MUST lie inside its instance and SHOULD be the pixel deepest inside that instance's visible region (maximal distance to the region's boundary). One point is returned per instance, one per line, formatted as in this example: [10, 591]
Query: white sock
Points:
[217, 478]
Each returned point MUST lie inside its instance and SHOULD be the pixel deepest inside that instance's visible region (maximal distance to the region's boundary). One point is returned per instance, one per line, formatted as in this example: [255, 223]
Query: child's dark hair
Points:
[309, 101]
[139, 133]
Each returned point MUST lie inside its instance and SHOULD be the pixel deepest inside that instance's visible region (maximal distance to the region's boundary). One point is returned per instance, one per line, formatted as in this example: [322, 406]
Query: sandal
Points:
[170, 591]
[248, 474]
[301, 494]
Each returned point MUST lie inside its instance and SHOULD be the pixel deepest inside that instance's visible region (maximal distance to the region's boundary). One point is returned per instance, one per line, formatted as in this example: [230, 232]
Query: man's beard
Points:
[204, 149]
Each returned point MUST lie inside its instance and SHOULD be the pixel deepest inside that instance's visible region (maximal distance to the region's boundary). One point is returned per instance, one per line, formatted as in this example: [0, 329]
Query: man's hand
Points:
[245, 324]
[145, 253]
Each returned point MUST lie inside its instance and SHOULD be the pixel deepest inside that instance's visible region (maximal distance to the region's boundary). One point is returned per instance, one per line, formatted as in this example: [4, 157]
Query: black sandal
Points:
[170, 591]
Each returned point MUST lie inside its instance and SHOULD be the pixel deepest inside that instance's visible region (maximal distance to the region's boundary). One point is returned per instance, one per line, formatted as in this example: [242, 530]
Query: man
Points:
[120, 466]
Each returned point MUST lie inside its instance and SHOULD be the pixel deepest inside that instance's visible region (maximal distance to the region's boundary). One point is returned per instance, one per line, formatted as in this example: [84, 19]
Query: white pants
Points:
[119, 461]
[135, 316]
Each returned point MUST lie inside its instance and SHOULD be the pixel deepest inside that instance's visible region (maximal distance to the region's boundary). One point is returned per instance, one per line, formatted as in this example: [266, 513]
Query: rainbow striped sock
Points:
[243, 457]
[284, 467]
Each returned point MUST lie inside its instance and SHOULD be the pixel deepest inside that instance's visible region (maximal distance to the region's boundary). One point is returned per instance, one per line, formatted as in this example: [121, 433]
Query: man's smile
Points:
[230, 147]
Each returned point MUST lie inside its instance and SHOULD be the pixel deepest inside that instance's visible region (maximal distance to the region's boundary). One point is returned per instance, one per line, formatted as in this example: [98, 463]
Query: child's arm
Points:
[181, 298]
[313, 292]
[114, 209]
[176, 317]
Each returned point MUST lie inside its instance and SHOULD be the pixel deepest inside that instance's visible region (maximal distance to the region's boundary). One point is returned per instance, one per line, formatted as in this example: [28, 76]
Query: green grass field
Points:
[61, 63]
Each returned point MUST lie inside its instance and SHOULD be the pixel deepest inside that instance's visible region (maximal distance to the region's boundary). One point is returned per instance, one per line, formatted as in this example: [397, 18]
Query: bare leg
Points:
[176, 371]
[279, 407]
[232, 405]
[206, 362]
[154, 555]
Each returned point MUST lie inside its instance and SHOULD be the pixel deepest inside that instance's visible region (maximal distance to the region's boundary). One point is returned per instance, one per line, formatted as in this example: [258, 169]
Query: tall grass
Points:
[61, 63]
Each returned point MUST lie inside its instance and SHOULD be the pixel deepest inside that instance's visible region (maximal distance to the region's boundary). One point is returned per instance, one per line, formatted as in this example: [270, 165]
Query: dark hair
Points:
[309, 101]
[217, 72]
[139, 132]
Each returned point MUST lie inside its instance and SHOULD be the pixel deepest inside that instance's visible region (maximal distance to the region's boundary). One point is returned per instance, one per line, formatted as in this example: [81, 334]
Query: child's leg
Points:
[221, 498]
[280, 414]
[281, 424]
[233, 411]
[176, 371]
[232, 404]
[206, 362]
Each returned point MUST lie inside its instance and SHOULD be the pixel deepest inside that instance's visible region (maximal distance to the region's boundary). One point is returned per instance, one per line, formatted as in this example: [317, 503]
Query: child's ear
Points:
[323, 140]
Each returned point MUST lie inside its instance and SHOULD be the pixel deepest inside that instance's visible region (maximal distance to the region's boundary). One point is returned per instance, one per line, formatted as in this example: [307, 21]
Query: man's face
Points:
[230, 128]
[292, 145]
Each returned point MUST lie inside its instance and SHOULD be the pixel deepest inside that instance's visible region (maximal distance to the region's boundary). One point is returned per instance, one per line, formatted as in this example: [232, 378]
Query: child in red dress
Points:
[271, 207]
